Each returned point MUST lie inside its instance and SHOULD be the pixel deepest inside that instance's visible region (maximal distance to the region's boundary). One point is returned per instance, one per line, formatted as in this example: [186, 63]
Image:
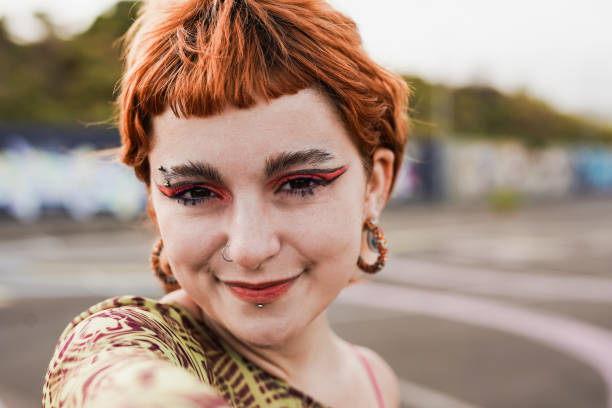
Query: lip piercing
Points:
[260, 305]
[167, 183]
[224, 256]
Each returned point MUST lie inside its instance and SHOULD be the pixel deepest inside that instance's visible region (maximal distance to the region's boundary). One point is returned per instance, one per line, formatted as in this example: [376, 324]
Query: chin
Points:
[265, 331]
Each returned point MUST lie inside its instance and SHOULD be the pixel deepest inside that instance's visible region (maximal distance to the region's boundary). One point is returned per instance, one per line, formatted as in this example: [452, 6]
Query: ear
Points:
[379, 183]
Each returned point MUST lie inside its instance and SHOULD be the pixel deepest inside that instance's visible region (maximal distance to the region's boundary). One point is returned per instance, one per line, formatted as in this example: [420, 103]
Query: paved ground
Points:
[475, 309]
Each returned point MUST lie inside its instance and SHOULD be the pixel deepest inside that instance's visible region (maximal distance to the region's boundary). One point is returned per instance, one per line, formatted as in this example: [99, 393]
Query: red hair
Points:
[200, 56]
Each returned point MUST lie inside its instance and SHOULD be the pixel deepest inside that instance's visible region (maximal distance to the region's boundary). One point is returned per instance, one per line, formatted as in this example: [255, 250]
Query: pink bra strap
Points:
[381, 402]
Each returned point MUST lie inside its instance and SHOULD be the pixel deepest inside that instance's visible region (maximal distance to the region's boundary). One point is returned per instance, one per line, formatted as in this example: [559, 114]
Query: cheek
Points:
[189, 241]
[333, 236]
[330, 233]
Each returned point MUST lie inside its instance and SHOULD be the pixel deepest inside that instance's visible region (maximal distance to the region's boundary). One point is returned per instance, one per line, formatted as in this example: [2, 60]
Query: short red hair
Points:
[200, 56]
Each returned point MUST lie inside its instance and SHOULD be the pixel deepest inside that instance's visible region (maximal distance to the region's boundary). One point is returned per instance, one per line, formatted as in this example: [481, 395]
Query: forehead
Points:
[245, 137]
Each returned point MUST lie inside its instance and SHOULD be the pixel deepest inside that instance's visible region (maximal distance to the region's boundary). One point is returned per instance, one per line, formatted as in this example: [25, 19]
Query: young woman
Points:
[268, 142]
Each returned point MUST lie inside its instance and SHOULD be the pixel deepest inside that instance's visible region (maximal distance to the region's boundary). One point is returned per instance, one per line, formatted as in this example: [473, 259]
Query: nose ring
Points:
[223, 255]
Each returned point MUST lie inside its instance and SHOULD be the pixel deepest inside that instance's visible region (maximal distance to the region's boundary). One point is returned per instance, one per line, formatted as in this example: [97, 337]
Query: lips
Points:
[261, 292]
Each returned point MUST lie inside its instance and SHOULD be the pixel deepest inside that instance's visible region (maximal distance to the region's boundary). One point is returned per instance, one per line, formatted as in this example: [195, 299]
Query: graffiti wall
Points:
[460, 170]
[593, 170]
[81, 183]
[478, 168]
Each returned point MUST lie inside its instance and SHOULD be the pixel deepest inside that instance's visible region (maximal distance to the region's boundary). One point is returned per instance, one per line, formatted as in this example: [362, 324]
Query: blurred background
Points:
[498, 292]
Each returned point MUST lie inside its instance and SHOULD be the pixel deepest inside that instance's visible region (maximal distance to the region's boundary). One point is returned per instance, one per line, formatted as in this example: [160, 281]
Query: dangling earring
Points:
[168, 282]
[377, 243]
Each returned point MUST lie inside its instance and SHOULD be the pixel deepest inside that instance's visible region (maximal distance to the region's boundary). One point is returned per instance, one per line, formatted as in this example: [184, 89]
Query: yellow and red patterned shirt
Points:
[137, 352]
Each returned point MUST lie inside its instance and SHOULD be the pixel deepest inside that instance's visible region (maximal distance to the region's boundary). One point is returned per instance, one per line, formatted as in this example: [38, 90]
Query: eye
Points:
[302, 183]
[302, 186]
[192, 194]
[197, 193]
[305, 182]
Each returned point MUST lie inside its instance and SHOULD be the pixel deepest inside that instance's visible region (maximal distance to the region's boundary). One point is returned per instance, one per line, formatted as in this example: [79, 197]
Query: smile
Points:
[261, 292]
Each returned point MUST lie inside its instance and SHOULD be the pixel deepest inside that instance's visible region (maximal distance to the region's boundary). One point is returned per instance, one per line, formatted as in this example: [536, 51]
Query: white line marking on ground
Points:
[592, 345]
[493, 282]
[418, 396]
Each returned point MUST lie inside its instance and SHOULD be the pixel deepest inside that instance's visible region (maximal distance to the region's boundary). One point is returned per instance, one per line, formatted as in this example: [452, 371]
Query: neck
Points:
[316, 349]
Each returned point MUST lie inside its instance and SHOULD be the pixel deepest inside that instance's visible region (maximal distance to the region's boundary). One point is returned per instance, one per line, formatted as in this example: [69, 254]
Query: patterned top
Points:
[134, 352]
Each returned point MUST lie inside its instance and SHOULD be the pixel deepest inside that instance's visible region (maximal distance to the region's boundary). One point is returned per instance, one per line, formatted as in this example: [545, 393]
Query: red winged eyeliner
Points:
[325, 175]
[174, 191]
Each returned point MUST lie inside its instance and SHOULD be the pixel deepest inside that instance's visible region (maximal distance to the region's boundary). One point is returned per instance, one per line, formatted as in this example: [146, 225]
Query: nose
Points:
[252, 236]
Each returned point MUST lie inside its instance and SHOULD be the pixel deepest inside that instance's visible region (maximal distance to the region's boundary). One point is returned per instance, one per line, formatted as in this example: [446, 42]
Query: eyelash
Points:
[315, 181]
[178, 192]
[194, 201]
[314, 184]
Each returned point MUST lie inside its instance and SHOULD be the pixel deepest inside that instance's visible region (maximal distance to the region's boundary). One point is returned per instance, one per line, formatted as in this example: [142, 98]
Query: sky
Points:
[556, 50]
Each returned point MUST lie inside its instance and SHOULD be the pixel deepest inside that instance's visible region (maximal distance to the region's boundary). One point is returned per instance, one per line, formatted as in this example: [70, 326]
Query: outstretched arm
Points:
[100, 363]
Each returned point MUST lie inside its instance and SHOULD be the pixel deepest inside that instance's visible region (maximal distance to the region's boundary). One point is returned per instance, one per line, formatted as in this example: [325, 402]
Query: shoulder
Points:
[128, 325]
[117, 317]
[385, 376]
[131, 343]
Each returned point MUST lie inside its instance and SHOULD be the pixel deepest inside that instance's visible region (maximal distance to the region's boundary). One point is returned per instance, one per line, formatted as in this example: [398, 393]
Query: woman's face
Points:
[283, 185]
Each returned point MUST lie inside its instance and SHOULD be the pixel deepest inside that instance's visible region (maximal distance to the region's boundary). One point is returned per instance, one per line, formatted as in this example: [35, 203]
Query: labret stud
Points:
[260, 305]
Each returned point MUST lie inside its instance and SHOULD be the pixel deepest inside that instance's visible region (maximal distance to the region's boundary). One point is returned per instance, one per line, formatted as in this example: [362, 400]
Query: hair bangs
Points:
[197, 57]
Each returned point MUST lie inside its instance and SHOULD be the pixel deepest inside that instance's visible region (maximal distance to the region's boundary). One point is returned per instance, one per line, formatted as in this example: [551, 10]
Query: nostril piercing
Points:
[224, 255]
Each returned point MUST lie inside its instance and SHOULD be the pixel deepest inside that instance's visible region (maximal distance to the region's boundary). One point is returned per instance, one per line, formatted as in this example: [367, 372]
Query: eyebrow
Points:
[200, 170]
[284, 161]
[274, 164]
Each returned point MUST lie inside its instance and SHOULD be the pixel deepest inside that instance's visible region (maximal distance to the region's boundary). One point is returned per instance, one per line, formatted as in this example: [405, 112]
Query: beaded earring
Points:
[168, 282]
[377, 243]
